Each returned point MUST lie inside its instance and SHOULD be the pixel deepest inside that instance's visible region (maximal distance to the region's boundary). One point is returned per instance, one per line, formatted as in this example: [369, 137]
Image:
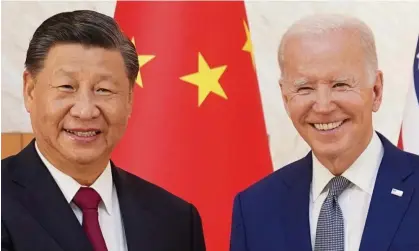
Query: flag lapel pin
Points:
[397, 192]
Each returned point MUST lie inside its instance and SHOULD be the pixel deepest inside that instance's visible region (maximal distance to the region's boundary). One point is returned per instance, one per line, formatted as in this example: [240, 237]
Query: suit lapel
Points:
[41, 196]
[139, 222]
[296, 216]
[386, 209]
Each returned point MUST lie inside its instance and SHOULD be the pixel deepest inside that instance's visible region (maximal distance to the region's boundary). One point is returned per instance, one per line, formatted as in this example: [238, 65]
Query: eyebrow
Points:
[300, 81]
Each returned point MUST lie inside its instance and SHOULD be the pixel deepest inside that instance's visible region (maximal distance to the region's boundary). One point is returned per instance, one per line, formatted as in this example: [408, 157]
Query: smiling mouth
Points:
[328, 126]
[83, 133]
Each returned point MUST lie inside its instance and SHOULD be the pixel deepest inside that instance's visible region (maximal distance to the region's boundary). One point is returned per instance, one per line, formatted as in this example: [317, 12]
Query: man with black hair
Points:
[62, 192]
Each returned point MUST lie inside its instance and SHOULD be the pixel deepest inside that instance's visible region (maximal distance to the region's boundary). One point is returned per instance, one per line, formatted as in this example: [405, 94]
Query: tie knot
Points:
[87, 198]
[337, 185]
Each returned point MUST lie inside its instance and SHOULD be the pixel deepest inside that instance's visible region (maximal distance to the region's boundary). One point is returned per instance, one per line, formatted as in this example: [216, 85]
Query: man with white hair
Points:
[354, 190]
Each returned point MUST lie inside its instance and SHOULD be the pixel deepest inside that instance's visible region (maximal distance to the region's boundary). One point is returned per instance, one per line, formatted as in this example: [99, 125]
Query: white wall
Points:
[395, 24]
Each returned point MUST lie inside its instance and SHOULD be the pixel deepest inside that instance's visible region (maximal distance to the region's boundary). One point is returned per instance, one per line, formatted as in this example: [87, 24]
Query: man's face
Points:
[328, 93]
[79, 103]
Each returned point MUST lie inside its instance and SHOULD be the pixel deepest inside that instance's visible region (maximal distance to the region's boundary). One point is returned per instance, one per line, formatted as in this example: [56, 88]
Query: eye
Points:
[103, 91]
[341, 84]
[304, 89]
[66, 87]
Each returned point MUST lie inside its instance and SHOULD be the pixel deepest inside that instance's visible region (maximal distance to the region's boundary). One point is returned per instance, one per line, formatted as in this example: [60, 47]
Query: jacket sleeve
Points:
[198, 240]
[238, 233]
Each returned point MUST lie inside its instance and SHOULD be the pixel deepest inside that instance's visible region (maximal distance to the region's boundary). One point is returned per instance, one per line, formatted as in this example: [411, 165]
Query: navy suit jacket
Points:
[273, 214]
[35, 215]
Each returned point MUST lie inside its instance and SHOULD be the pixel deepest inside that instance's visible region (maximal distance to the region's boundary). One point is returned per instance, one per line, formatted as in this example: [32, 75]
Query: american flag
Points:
[409, 134]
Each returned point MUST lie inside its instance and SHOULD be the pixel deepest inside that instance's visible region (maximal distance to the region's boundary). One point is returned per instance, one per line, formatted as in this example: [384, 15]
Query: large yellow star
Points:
[248, 45]
[142, 60]
[207, 80]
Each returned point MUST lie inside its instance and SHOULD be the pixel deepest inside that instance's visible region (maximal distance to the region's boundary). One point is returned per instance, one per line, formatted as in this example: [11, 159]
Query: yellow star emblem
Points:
[248, 45]
[142, 60]
[206, 79]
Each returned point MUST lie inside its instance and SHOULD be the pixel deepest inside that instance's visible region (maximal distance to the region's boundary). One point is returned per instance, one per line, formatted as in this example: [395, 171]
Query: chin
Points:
[84, 157]
[84, 160]
[331, 149]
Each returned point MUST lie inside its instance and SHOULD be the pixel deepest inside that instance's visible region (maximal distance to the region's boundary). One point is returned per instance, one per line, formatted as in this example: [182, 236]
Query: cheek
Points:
[354, 103]
[299, 107]
[51, 112]
[116, 114]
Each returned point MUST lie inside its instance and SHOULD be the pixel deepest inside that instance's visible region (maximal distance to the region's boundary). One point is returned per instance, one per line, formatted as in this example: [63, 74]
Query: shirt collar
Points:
[69, 186]
[104, 185]
[362, 173]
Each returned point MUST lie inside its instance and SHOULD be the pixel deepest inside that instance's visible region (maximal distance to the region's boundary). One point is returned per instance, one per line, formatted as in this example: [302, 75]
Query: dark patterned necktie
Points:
[330, 235]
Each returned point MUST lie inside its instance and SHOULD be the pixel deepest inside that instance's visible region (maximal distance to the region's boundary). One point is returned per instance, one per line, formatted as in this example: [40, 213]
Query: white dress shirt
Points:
[110, 220]
[355, 200]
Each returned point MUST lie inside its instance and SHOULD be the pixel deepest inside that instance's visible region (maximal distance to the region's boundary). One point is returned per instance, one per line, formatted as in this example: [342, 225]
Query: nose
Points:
[324, 102]
[84, 106]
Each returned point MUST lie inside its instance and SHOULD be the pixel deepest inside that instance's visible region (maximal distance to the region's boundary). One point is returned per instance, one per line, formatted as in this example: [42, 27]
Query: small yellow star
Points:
[207, 80]
[142, 60]
[248, 45]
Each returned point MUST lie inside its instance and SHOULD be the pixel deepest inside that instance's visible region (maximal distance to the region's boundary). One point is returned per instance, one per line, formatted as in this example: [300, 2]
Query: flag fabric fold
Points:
[197, 127]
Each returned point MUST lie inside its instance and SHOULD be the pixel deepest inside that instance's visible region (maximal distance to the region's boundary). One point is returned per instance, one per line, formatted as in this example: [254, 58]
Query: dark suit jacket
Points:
[36, 217]
[273, 214]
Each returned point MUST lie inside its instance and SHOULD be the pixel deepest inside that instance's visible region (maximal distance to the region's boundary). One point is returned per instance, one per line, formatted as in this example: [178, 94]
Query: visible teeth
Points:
[83, 134]
[328, 126]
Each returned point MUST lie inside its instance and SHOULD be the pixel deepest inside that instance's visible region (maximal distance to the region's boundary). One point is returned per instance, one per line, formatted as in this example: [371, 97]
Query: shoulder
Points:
[397, 157]
[414, 163]
[151, 194]
[6, 162]
[17, 166]
[414, 160]
[278, 182]
[397, 154]
[7, 167]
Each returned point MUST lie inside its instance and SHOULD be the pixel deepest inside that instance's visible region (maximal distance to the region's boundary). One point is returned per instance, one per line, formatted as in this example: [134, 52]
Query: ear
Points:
[28, 89]
[284, 97]
[377, 91]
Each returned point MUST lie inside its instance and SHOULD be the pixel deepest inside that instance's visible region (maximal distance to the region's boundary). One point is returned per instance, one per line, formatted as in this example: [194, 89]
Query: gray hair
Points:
[323, 23]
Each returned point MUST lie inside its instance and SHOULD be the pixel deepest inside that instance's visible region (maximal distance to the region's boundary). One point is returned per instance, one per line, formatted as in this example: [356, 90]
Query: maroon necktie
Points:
[87, 199]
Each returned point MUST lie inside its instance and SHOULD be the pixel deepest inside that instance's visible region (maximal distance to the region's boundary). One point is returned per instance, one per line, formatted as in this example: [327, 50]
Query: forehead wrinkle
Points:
[297, 82]
[65, 70]
[74, 73]
[341, 78]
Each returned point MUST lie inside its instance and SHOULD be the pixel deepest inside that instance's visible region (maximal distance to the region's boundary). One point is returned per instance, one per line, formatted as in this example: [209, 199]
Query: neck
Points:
[338, 164]
[84, 173]
[86, 178]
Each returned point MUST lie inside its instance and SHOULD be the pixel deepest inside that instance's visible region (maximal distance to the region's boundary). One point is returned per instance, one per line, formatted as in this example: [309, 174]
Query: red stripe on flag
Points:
[197, 127]
[400, 142]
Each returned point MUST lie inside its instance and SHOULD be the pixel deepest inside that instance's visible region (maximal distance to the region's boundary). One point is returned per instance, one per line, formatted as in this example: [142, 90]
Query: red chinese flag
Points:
[197, 127]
